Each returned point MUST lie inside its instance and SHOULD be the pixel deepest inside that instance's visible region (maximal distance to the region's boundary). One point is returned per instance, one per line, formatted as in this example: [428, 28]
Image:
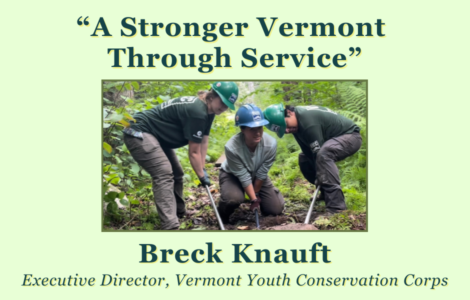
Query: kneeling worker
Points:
[249, 156]
[325, 138]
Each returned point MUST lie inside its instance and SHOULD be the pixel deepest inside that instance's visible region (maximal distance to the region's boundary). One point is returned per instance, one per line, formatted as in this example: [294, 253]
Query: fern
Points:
[358, 119]
[353, 99]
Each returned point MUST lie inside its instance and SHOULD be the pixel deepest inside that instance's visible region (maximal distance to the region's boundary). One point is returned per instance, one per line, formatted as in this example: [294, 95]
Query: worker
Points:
[249, 156]
[324, 137]
[174, 124]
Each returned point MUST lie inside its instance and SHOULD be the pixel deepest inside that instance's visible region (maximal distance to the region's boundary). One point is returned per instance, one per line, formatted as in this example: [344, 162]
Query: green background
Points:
[51, 138]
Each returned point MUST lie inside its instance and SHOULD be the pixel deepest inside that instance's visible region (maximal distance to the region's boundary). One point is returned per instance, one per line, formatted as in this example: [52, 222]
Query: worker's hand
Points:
[205, 181]
[205, 173]
[255, 204]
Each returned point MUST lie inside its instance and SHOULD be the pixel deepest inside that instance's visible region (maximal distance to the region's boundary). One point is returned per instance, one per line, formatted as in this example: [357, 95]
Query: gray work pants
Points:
[167, 176]
[232, 195]
[325, 170]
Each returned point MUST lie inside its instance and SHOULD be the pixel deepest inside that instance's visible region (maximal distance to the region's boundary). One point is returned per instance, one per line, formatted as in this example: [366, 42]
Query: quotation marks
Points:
[358, 50]
[80, 23]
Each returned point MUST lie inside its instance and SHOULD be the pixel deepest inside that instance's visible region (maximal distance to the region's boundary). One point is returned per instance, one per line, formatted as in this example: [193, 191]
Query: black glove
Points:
[205, 172]
[205, 181]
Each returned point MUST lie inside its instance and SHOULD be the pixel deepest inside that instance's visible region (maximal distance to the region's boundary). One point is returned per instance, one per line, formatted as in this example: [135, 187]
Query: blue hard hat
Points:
[250, 115]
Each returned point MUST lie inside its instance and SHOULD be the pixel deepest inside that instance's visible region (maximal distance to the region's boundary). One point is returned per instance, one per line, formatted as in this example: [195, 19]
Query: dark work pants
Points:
[232, 194]
[167, 176]
[324, 168]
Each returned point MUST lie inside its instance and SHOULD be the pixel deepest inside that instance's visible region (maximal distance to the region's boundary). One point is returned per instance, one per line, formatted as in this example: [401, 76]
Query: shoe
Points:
[225, 219]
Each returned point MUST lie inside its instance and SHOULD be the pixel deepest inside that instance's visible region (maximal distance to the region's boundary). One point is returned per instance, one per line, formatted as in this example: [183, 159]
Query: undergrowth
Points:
[123, 99]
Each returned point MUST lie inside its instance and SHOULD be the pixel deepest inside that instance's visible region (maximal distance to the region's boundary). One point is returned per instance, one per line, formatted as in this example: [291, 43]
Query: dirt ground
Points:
[200, 216]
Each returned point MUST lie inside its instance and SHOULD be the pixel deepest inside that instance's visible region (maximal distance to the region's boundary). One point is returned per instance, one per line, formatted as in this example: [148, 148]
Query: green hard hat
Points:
[275, 115]
[227, 91]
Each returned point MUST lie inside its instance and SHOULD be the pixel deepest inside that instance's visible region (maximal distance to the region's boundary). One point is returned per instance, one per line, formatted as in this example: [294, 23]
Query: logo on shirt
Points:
[218, 84]
[256, 115]
[199, 135]
[315, 147]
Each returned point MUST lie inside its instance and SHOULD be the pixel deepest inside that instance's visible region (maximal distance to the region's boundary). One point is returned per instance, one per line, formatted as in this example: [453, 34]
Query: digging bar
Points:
[215, 209]
[257, 218]
[307, 218]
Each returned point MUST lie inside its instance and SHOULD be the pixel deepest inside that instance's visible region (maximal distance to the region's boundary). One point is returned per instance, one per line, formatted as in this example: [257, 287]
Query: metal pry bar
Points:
[215, 209]
[307, 218]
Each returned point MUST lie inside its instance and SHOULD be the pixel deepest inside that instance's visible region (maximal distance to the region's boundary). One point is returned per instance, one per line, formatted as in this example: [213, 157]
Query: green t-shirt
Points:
[317, 124]
[176, 122]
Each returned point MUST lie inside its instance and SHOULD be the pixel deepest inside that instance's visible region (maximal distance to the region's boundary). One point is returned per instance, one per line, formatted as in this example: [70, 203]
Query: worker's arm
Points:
[253, 189]
[194, 154]
[258, 184]
[314, 137]
[252, 192]
[204, 145]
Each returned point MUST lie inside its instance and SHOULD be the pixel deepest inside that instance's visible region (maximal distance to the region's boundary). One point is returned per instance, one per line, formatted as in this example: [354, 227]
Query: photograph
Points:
[234, 155]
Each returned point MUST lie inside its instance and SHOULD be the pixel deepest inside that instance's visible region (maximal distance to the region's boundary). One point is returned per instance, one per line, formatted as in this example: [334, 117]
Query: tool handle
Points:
[257, 218]
[307, 218]
[221, 224]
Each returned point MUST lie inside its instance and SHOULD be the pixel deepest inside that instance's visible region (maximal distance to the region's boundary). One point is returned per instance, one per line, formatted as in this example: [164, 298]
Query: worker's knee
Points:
[273, 204]
[325, 154]
[231, 197]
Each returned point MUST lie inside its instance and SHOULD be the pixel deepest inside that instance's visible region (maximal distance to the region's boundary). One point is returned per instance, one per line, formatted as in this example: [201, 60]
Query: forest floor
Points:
[200, 215]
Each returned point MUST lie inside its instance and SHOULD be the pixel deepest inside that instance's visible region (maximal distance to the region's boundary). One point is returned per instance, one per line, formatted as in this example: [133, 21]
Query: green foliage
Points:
[341, 221]
[122, 99]
[353, 98]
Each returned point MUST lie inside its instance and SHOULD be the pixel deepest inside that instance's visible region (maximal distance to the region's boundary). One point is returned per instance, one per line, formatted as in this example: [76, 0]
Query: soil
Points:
[200, 216]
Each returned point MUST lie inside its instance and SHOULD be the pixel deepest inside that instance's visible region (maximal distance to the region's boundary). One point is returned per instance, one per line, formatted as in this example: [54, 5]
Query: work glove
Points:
[205, 172]
[205, 181]
[255, 203]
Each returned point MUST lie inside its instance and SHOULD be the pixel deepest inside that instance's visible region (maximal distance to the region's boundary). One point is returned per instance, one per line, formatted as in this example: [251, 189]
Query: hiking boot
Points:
[225, 218]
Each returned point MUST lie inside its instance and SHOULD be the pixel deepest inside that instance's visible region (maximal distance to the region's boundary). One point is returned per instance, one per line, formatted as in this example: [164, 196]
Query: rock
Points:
[296, 226]
[243, 227]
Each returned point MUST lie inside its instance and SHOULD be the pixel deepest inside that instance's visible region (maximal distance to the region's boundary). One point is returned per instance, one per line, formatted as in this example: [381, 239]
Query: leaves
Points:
[107, 147]
[125, 123]
[135, 168]
[136, 86]
[114, 117]
[110, 196]
[121, 170]
[112, 207]
[129, 117]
